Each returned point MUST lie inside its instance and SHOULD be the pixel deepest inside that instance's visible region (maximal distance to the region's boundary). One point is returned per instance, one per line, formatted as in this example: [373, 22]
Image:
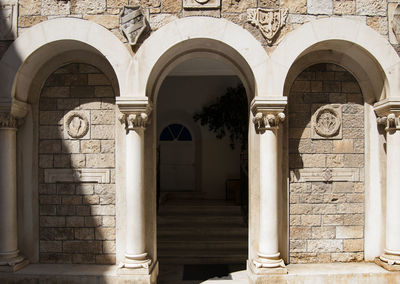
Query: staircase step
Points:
[199, 220]
[204, 245]
[227, 259]
[200, 210]
[218, 233]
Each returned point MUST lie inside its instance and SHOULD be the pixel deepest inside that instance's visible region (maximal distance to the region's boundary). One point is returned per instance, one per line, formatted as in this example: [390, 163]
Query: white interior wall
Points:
[187, 95]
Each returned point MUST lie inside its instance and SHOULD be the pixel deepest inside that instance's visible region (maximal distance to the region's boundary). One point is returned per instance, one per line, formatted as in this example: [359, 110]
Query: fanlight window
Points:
[175, 132]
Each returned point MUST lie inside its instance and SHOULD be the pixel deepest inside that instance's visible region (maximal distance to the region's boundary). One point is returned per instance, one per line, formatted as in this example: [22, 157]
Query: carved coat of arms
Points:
[268, 21]
[133, 23]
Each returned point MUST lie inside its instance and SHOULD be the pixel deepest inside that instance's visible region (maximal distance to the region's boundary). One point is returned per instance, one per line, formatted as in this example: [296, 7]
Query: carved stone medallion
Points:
[76, 124]
[133, 23]
[326, 122]
[201, 4]
[8, 20]
[268, 21]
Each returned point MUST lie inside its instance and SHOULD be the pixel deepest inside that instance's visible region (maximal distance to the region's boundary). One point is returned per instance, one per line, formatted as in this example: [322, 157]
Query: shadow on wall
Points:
[76, 167]
[321, 207]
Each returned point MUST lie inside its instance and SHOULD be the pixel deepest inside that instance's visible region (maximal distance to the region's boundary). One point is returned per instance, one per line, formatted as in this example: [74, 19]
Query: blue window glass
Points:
[166, 135]
[175, 129]
[185, 135]
[175, 132]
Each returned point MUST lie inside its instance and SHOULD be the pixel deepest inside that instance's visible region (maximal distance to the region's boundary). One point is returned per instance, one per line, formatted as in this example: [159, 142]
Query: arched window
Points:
[175, 132]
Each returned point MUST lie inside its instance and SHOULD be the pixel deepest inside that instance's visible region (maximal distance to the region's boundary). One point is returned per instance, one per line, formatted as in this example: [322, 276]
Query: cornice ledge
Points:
[387, 106]
[271, 105]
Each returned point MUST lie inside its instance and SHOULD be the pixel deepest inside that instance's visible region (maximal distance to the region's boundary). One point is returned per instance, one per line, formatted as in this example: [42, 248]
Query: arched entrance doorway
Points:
[201, 228]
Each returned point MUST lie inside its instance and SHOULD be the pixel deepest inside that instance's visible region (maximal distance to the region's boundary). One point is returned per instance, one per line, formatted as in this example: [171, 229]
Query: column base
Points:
[146, 271]
[12, 264]
[261, 267]
[389, 261]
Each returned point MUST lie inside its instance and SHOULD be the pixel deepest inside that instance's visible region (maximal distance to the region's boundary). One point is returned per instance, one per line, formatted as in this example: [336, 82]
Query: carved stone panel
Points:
[326, 175]
[76, 125]
[201, 4]
[268, 21]
[133, 23]
[77, 175]
[326, 122]
[8, 20]
[394, 22]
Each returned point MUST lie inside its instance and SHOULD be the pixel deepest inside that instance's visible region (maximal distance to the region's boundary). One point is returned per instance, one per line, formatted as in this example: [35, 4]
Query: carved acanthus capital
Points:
[265, 121]
[388, 114]
[391, 122]
[135, 112]
[268, 112]
[8, 121]
[133, 121]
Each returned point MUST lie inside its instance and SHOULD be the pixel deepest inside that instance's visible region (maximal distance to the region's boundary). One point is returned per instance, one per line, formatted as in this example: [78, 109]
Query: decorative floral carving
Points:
[390, 121]
[133, 23]
[7, 120]
[76, 124]
[327, 175]
[268, 21]
[134, 120]
[264, 121]
[327, 122]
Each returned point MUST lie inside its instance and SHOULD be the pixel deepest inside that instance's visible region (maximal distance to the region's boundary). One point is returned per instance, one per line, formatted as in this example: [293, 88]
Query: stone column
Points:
[268, 114]
[10, 260]
[390, 116]
[134, 117]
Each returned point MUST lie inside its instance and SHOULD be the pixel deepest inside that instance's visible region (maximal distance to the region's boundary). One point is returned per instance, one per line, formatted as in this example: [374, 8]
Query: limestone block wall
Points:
[105, 12]
[326, 216]
[77, 209]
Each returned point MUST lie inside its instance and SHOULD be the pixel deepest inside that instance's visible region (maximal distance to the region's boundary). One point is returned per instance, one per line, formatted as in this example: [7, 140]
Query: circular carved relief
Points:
[77, 125]
[202, 1]
[327, 122]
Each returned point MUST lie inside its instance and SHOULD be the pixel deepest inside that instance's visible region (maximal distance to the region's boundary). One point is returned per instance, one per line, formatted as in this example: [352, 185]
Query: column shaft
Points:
[135, 211]
[268, 234]
[393, 194]
[8, 194]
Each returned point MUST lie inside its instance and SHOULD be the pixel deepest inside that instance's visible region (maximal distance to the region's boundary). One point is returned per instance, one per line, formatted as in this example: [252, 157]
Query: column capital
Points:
[388, 113]
[7, 120]
[268, 112]
[135, 112]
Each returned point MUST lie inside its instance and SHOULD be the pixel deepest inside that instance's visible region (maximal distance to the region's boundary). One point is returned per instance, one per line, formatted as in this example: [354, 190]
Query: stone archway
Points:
[25, 66]
[375, 65]
[222, 40]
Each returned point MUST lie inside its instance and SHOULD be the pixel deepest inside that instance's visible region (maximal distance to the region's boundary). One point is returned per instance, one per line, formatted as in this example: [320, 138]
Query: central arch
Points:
[200, 37]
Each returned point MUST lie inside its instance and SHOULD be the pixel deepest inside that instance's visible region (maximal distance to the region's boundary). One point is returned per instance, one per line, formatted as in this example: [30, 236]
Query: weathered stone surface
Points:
[371, 7]
[98, 80]
[380, 24]
[103, 210]
[332, 219]
[54, 7]
[107, 21]
[90, 146]
[70, 146]
[29, 21]
[109, 247]
[349, 232]
[326, 232]
[102, 117]
[88, 6]
[324, 245]
[347, 257]
[82, 246]
[117, 3]
[295, 6]
[318, 7]
[104, 91]
[102, 131]
[29, 7]
[344, 7]
[100, 160]
[75, 221]
[300, 232]
[84, 234]
[353, 245]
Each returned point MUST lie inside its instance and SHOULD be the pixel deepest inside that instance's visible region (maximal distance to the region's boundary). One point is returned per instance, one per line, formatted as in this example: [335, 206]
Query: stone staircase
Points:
[201, 232]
